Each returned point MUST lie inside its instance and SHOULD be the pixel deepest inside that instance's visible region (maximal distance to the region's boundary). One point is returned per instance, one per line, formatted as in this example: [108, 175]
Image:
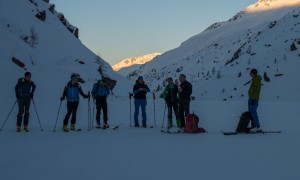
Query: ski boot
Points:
[105, 126]
[18, 129]
[26, 129]
[65, 128]
[72, 127]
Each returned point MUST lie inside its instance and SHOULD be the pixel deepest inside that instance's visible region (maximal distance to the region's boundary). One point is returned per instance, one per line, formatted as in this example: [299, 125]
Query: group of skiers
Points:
[177, 97]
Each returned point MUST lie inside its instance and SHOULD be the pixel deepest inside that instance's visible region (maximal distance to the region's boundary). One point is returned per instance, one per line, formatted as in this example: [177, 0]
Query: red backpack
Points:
[191, 125]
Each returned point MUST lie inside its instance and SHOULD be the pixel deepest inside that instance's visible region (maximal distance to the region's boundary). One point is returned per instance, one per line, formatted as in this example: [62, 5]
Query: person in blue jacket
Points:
[71, 92]
[140, 90]
[100, 92]
[24, 92]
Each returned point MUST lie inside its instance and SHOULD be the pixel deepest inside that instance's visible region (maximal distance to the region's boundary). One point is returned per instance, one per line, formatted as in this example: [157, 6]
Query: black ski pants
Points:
[101, 104]
[24, 105]
[173, 105]
[72, 109]
[184, 109]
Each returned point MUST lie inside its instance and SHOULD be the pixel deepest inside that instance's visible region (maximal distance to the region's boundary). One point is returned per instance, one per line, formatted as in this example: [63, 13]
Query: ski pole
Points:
[37, 115]
[57, 116]
[130, 95]
[154, 109]
[89, 109]
[8, 115]
[162, 126]
[93, 116]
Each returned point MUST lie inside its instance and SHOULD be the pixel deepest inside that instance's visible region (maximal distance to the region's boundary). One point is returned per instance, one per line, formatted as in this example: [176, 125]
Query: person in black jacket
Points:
[170, 95]
[24, 92]
[185, 91]
[140, 90]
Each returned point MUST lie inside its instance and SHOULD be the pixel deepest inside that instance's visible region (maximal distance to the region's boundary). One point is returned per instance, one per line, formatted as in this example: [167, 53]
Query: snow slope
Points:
[217, 61]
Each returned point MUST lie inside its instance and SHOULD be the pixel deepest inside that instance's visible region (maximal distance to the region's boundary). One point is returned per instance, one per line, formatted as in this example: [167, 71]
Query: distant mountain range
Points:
[133, 63]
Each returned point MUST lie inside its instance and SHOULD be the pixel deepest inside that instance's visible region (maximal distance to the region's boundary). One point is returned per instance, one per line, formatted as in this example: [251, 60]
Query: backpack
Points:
[191, 125]
[245, 118]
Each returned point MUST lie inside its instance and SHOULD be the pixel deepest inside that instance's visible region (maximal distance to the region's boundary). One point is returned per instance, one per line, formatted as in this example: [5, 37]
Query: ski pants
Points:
[24, 105]
[137, 104]
[252, 107]
[101, 104]
[173, 105]
[184, 109]
[72, 109]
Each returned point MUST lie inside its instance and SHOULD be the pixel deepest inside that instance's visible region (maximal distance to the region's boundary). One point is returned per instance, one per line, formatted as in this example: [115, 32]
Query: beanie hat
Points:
[253, 71]
[74, 77]
[27, 74]
[183, 76]
[169, 79]
[140, 78]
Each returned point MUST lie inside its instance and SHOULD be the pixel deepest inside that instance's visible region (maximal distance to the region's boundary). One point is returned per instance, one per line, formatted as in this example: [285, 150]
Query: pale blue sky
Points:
[118, 29]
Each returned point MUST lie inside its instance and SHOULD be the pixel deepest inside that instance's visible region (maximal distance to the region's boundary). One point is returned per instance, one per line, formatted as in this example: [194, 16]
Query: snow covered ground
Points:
[136, 153]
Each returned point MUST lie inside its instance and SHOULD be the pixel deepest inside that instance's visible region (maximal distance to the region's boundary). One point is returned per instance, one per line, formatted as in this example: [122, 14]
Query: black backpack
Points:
[245, 118]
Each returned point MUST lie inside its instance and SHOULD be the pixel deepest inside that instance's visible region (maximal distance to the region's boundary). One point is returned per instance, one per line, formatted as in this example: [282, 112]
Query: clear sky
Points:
[118, 29]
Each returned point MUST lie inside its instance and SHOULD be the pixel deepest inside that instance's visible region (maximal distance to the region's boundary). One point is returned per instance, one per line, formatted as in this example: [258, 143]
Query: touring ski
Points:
[261, 132]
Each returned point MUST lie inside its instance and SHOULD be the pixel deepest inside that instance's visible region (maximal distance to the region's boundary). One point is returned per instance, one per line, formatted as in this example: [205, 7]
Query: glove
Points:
[161, 96]
[31, 95]
[62, 98]
[18, 96]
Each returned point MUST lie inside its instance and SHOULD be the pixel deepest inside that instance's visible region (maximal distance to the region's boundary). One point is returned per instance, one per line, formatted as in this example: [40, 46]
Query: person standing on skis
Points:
[24, 90]
[71, 92]
[100, 92]
[254, 93]
[185, 91]
[170, 95]
[140, 90]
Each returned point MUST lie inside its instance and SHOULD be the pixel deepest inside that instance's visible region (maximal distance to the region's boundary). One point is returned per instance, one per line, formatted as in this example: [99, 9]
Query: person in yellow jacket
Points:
[254, 93]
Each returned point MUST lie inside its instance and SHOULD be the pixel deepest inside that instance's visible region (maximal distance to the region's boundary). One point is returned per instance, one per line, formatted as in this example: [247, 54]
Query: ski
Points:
[237, 133]
[112, 127]
[171, 132]
[75, 129]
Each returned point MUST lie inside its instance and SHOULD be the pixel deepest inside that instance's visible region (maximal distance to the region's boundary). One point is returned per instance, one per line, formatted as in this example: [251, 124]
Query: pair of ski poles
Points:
[90, 118]
[13, 109]
[154, 109]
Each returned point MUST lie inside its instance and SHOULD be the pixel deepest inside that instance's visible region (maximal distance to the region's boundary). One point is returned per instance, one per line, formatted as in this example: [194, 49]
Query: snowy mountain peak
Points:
[135, 60]
[265, 5]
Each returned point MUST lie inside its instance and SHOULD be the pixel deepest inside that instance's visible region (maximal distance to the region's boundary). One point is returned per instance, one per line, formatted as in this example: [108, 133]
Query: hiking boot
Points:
[26, 129]
[65, 128]
[18, 129]
[98, 126]
[72, 127]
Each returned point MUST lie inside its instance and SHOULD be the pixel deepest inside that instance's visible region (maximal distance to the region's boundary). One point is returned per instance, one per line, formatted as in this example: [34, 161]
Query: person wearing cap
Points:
[24, 92]
[140, 90]
[100, 92]
[184, 94]
[170, 95]
[254, 94]
[71, 92]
